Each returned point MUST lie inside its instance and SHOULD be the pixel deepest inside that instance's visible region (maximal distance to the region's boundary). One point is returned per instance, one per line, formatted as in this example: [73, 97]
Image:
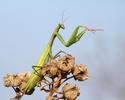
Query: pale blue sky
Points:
[27, 25]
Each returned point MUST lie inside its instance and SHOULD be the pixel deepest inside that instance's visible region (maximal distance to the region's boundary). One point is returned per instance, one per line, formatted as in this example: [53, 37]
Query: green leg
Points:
[74, 37]
[36, 67]
[37, 70]
[57, 55]
[50, 55]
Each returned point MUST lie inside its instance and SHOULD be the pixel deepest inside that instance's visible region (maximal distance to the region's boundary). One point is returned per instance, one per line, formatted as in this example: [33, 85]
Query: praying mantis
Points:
[47, 53]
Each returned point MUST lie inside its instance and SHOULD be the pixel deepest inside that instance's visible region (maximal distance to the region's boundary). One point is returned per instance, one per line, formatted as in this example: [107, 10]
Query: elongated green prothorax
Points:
[47, 53]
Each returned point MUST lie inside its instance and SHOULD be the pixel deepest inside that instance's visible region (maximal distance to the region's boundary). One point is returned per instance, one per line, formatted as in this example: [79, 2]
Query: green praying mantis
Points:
[47, 54]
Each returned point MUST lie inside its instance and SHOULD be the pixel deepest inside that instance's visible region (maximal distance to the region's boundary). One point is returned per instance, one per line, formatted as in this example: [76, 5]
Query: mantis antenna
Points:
[64, 20]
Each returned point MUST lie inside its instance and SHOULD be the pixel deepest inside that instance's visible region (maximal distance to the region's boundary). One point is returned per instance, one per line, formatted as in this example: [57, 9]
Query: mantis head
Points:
[61, 26]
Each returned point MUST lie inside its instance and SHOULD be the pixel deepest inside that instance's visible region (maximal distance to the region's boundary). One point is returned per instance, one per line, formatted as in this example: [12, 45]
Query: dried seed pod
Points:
[22, 86]
[70, 92]
[9, 80]
[24, 76]
[27, 76]
[20, 75]
[80, 72]
[16, 80]
[66, 63]
[50, 70]
[19, 81]
[53, 62]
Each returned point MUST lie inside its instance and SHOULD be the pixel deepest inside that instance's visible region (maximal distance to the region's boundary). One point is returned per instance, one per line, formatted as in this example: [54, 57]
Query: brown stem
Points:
[46, 85]
[59, 92]
[57, 84]
[67, 79]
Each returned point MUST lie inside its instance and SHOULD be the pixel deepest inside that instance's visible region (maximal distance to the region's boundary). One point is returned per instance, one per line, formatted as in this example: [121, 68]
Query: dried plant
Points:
[59, 71]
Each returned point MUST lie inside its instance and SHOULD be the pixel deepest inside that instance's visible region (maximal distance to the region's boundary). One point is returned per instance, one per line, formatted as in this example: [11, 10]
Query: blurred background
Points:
[26, 27]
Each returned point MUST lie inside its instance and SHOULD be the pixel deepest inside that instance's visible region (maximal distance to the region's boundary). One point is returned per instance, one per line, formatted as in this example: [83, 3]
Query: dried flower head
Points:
[9, 80]
[53, 62]
[70, 92]
[66, 63]
[80, 72]
[49, 70]
[16, 80]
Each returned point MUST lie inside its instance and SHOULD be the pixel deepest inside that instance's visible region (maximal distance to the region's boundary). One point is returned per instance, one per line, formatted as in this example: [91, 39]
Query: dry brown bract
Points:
[80, 72]
[70, 92]
[50, 70]
[66, 63]
[17, 81]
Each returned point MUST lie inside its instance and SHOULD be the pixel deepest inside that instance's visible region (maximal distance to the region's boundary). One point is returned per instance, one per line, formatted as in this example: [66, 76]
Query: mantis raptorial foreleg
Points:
[74, 37]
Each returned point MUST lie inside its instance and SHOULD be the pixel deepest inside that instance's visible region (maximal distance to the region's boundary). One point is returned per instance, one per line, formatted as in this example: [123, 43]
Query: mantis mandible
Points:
[47, 54]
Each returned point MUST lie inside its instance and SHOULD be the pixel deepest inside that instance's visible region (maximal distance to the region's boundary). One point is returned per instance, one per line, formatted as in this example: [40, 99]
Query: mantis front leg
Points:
[74, 37]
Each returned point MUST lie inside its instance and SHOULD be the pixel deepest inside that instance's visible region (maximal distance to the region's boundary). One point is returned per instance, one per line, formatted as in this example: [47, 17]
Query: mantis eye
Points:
[62, 26]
